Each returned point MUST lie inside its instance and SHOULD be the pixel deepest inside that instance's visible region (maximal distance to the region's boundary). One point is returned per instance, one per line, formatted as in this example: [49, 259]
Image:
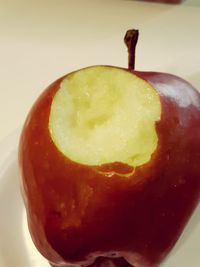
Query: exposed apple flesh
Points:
[129, 207]
[102, 115]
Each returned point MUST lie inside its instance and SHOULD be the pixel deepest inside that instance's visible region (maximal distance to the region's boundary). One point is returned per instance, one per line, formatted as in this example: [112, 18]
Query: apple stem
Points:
[130, 39]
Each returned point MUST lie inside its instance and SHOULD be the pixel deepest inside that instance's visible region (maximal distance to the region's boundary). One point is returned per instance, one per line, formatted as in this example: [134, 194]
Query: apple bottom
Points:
[108, 262]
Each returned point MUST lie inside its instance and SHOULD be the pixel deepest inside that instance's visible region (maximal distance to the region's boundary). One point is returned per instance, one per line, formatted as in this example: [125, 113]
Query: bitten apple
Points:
[109, 161]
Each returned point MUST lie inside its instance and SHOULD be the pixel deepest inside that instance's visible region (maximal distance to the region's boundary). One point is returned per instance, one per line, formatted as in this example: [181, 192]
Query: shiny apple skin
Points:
[77, 214]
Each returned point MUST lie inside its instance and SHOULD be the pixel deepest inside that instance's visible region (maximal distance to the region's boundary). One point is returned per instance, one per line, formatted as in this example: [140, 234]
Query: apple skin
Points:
[138, 218]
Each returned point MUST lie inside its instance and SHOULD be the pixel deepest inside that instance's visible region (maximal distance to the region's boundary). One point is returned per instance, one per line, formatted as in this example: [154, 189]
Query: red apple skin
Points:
[77, 214]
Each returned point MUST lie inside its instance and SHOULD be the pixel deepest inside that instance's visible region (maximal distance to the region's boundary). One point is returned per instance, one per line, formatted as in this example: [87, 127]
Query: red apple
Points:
[109, 161]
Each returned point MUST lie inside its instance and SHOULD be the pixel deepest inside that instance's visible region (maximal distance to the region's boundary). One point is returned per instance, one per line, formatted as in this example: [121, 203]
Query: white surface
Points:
[42, 40]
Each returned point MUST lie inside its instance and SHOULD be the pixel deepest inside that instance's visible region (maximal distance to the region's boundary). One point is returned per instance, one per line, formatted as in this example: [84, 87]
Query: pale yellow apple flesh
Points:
[104, 114]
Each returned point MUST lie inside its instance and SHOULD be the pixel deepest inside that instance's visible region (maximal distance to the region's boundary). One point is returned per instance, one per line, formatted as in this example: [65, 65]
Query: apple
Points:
[109, 160]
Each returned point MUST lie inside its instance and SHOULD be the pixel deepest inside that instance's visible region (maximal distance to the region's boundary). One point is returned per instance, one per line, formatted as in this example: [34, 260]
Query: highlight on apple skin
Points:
[109, 160]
